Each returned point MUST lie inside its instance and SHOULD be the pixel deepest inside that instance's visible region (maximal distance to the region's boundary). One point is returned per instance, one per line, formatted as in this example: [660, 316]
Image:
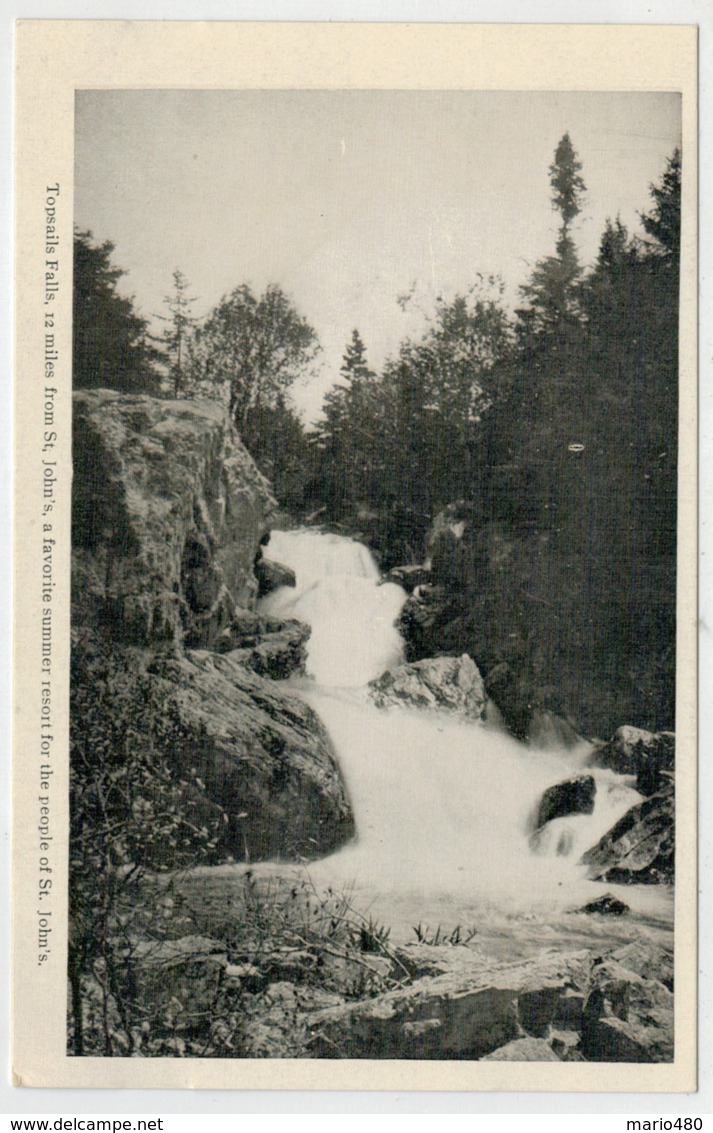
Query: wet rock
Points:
[608, 906]
[572, 796]
[547, 838]
[168, 508]
[444, 683]
[282, 654]
[271, 647]
[272, 575]
[640, 848]
[248, 628]
[263, 756]
[277, 655]
[627, 1018]
[409, 577]
[651, 756]
[523, 1050]
[511, 693]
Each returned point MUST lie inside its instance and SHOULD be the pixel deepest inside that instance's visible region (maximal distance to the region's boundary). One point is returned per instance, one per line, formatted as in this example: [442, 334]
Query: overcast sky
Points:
[348, 198]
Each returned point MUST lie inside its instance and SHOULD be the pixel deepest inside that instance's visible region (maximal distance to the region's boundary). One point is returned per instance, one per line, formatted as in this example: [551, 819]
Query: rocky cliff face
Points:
[263, 756]
[169, 512]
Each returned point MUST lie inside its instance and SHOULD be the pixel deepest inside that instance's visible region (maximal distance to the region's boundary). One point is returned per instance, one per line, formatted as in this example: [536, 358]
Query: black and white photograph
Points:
[369, 633]
[374, 575]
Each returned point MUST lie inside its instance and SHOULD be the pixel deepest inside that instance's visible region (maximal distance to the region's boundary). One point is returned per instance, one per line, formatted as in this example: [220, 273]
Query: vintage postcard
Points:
[355, 577]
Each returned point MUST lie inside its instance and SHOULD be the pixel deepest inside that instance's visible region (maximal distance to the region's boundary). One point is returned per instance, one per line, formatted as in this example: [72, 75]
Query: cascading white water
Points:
[338, 594]
[444, 808]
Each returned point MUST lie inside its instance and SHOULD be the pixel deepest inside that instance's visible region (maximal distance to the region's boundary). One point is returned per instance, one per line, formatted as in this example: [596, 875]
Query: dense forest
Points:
[549, 434]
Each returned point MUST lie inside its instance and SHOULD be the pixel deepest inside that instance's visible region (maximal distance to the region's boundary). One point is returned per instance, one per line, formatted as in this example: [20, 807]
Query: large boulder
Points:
[572, 796]
[650, 756]
[270, 647]
[650, 961]
[279, 655]
[168, 509]
[626, 1018]
[272, 575]
[450, 684]
[246, 629]
[512, 695]
[606, 906]
[581, 1006]
[466, 1013]
[262, 755]
[640, 848]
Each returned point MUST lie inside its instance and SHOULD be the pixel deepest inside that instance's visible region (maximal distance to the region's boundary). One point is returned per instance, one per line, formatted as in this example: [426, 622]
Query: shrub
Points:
[129, 813]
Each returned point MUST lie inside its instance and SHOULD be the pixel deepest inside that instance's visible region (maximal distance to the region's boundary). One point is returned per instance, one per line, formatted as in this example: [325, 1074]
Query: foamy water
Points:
[338, 594]
[444, 808]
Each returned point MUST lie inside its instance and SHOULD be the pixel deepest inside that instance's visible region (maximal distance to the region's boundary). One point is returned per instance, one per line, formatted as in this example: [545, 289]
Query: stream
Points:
[443, 806]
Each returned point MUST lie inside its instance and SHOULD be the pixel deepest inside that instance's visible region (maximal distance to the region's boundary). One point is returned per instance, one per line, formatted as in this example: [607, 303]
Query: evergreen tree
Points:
[281, 450]
[614, 249]
[177, 336]
[345, 434]
[663, 223]
[111, 346]
[609, 294]
[591, 430]
[354, 368]
[551, 293]
[567, 184]
[408, 442]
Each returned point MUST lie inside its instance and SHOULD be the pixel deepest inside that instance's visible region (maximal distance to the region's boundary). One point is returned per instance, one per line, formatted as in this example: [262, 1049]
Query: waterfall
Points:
[444, 808]
[338, 594]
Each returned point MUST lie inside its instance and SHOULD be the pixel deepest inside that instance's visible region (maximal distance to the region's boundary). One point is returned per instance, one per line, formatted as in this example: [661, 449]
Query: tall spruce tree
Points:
[354, 368]
[345, 433]
[663, 223]
[180, 326]
[551, 294]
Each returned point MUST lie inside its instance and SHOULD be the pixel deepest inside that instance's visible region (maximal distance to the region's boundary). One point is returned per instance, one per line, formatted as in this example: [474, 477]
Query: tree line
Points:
[587, 369]
[559, 420]
[449, 405]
